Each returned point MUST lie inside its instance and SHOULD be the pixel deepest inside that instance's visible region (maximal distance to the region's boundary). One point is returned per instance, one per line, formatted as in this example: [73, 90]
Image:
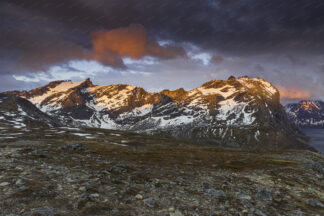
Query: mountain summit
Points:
[307, 113]
[239, 112]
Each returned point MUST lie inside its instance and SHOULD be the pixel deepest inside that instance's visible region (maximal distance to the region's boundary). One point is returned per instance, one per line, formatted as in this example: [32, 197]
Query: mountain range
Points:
[239, 112]
[307, 113]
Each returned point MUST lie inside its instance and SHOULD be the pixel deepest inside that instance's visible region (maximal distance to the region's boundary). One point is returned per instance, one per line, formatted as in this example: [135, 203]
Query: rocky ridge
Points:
[242, 113]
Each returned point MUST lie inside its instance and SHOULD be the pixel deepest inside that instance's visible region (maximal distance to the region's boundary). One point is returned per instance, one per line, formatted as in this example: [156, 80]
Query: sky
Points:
[163, 44]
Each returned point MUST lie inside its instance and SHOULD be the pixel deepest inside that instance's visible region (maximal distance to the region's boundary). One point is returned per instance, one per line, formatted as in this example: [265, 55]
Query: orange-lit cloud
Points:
[217, 59]
[293, 93]
[109, 46]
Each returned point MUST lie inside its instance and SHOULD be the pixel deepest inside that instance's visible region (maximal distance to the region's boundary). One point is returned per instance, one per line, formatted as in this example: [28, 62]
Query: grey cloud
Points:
[282, 41]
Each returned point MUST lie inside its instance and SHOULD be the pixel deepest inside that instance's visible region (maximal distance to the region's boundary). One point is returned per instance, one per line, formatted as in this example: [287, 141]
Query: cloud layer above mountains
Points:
[163, 44]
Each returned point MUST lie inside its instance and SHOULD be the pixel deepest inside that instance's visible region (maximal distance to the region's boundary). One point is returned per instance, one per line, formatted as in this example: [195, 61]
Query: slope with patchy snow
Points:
[234, 112]
[19, 113]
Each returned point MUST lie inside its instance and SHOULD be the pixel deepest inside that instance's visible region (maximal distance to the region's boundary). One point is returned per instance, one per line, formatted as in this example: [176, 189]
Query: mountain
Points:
[239, 112]
[307, 113]
[17, 112]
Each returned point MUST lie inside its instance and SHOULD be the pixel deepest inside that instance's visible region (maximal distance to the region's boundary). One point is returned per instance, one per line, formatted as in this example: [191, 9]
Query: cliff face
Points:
[244, 112]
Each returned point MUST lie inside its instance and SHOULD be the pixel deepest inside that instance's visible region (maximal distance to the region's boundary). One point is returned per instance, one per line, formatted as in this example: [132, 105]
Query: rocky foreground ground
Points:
[69, 171]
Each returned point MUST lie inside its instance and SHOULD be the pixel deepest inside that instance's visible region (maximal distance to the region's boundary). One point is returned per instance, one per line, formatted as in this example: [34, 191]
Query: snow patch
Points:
[235, 110]
[118, 144]
[256, 135]
[81, 134]
[114, 134]
[138, 111]
[225, 91]
[60, 88]
[116, 97]
[251, 83]
[166, 121]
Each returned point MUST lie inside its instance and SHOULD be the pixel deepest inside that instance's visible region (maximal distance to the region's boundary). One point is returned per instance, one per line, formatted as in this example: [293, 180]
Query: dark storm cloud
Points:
[284, 38]
[30, 41]
[41, 33]
[58, 30]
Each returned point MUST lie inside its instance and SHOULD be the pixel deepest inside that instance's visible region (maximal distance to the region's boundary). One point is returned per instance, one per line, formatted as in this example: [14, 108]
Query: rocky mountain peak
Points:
[310, 105]
[307, 113]
[258, 88]
[231, 78]
[175, 94]
[86, 83]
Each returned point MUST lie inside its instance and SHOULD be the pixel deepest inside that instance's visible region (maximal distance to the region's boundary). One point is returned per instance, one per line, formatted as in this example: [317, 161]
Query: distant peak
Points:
[310, 105]
[57, 82]
[310, 101]
[245, 76]
[231, 78]
[175, 93]
[87, 81]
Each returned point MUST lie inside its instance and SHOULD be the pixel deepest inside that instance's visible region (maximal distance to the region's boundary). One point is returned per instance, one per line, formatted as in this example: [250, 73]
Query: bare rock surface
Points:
[57, 171]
